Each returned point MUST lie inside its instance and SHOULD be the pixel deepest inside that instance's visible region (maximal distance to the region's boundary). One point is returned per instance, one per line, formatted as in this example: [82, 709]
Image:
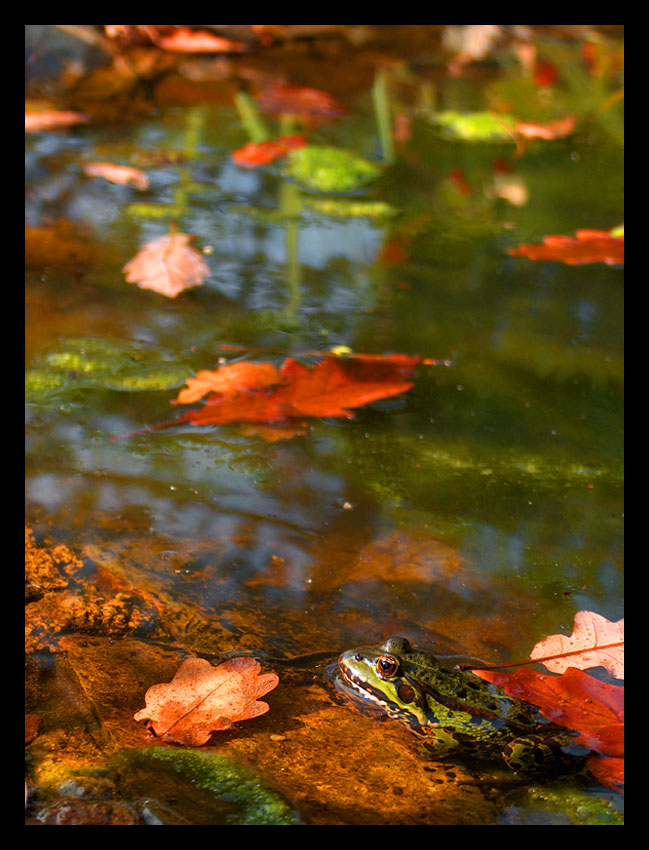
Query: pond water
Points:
[475, 514]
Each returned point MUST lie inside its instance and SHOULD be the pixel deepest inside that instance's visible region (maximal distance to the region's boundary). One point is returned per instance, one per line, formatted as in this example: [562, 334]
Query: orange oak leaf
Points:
[586, 246]
[202, 699]
[328, 388]
[117, 173]
[255, 154]
[575, 700]
[594, 642]
[35, 121]
[167, 265]
[278, 98]
[184, 40]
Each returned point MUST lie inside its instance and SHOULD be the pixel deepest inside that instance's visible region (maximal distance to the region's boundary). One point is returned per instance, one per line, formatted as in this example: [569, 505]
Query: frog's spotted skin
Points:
[453, 710]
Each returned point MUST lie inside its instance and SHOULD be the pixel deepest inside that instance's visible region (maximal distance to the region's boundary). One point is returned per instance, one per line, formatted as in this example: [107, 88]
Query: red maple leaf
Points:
[586, 246]
[261, 153]
[580, 702]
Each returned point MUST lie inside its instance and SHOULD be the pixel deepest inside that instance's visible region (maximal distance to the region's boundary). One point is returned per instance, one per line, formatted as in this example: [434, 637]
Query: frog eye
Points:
[387, 666]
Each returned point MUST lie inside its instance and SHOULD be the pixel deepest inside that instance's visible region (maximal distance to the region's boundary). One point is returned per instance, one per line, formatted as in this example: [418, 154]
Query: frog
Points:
[455, 712]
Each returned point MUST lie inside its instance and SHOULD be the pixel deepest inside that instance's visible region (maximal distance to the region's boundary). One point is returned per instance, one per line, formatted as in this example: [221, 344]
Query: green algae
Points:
[328, 169]
[476, 126]
[575, 805]
[197, 787]
[346, 208]
[100, 363]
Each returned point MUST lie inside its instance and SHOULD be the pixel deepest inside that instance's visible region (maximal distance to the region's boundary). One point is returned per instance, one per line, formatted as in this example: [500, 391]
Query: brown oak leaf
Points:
[184, 40]
[117, 173]
[202, 699]
[168, 265]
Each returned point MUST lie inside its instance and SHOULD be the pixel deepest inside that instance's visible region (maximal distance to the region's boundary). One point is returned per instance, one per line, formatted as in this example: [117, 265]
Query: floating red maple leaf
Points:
[580, 702]
[586, 246]
[329, 388]
[261, 153]
[167, 265]
[576, 699]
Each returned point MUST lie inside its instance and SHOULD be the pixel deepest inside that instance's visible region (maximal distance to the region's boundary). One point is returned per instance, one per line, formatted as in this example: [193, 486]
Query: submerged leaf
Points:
[167, 265]
[202, 699]
[279, 98]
